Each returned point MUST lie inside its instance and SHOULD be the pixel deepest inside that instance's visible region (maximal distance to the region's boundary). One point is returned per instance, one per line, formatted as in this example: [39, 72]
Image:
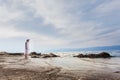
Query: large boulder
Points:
[39, 55]
[3, 53]
[15, 54]
[79, 55]
[104, 55]
[99, 55]
[92, 55]
[11, 54]
[49, 55]
[35, 55]
[53, 55]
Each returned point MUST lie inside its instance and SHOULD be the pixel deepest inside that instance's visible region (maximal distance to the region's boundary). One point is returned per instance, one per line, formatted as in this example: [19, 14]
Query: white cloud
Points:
[7, 14]
[7, 32]
[61, 15]
[8, 29]
[67, 19]
[108, 7]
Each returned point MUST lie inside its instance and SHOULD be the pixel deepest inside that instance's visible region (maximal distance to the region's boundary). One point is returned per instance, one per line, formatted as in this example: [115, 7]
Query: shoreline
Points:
[17, 68]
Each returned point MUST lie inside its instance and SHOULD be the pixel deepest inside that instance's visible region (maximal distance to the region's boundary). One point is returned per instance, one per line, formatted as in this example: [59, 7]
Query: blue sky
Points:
[54, 24]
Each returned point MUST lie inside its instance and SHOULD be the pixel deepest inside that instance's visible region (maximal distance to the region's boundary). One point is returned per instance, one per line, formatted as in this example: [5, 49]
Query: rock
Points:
[80, 55]
[15, 54]
[38, 55]
[3, 53]
[49, 55]
[117, 72]
[35, 53]
[11, 54]
[35, 56]
[99, 55]
[53, 55]
[45, 55]
[104, 55]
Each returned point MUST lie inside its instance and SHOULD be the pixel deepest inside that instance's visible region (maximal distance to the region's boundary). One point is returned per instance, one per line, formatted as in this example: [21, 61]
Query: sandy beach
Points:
[60, 68]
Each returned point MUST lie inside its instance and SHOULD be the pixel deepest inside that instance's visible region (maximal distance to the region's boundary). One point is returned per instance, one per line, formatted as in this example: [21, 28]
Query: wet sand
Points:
[17, 68]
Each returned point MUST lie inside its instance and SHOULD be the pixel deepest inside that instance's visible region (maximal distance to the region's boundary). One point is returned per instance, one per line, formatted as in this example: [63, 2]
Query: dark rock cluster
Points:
[35, 55]
[99, 55]
[39, 55]
[49, 55]
[11, 54]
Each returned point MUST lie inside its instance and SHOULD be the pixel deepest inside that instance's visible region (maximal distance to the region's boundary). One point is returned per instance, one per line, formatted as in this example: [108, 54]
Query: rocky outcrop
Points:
[80, 55]
[11, 54]
[49, 55]
[35, 55]
[99, 55]
[15, 54]
[104, 55]
[39, 55]
[3, 53]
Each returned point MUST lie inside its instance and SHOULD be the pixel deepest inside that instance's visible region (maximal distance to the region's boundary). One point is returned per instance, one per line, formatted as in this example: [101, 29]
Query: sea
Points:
[67, 61]
[112, 50]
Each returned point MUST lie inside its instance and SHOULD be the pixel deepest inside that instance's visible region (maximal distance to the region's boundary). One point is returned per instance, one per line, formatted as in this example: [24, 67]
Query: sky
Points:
[54, 24]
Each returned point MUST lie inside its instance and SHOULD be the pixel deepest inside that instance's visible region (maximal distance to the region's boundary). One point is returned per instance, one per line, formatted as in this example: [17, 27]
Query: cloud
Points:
[108, 7]
[8, 32]
[8, 14]
[60, 23]
[66, 19]
[8, 29]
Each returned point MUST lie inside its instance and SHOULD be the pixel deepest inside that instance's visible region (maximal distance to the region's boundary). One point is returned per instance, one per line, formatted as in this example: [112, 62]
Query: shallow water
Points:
[72, 63]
